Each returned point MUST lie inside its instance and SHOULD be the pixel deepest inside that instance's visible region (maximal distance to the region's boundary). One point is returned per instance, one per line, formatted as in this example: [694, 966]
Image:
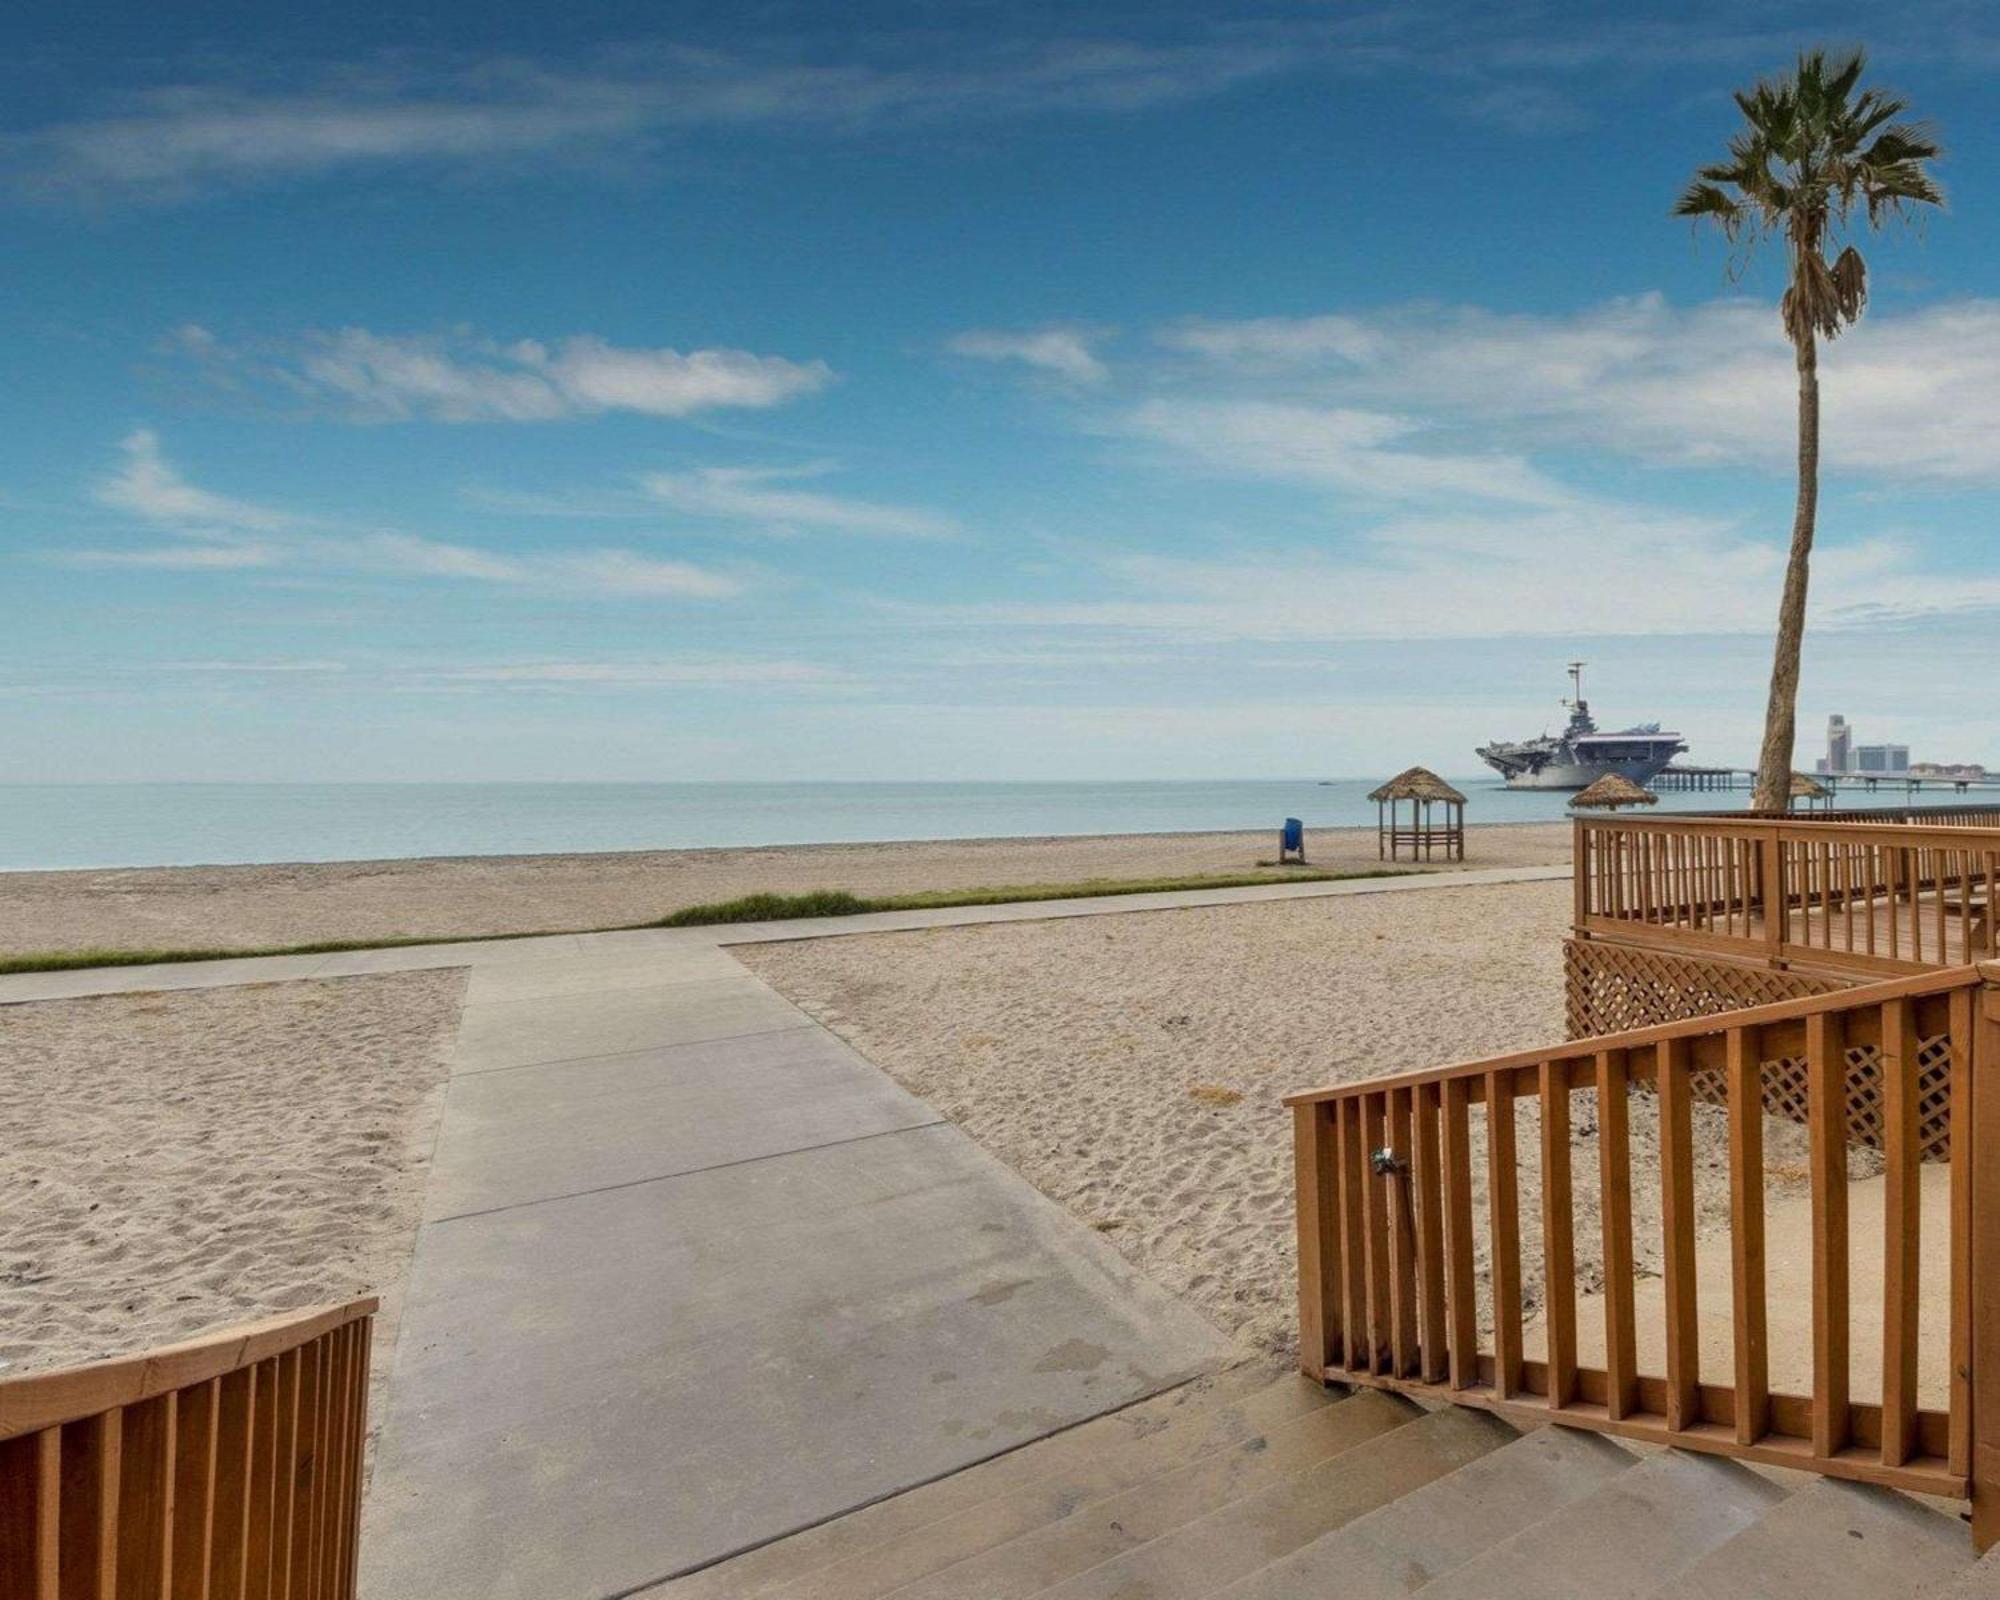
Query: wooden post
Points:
[1777, 915]
[1316, 1186]
[1981, 1155]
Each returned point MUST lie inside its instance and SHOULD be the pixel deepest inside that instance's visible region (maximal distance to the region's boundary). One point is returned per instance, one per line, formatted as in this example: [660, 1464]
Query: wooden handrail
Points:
[229, 1465]
[1850, 897]
[1781, 1011]
[1387, 1290]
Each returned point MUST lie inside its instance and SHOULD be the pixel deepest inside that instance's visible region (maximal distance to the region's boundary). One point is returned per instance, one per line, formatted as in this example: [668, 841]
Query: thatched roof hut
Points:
[1424, 835]
[1810, 792]
[1417, 783]
[1610, 792]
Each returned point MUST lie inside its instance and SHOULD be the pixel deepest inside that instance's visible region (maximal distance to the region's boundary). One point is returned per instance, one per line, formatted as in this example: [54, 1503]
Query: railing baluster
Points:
[1375, 1227]
[1504, 1232]
[1357, 1352]
[1901, 1210]
[88, 1532]
[1430, 1236]
[1743, 1066]
[1402, 1240]
[1963, 1242]
[1826, 1071]
[1460, 1306]
[195, 1434]
[1614, 1159]
[145, 1496]
[1558, 1246]
[1981, 1155]
[30, 1515]
[1315, 1177]
[258, 1564]
[1677, 1220]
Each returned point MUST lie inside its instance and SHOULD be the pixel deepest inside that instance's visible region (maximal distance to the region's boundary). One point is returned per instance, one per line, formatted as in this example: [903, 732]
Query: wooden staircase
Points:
[1261, 1487]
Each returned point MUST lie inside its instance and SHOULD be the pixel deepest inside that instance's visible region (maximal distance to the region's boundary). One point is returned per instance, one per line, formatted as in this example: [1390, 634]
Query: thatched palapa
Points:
[1420, 789]
[1610, 792]
[1417, 783]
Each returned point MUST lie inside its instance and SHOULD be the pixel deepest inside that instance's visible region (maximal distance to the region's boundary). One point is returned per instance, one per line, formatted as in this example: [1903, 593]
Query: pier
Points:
[1684, 779]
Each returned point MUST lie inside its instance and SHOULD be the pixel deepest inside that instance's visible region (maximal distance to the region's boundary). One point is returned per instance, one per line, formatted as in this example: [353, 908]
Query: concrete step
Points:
[1833, 1541]
[1228, 1441]
[1096, 1532]
[1395, 1551]
[1623, 1541]
[1154, 1435]
[1256, 1529]
[1980, 1581]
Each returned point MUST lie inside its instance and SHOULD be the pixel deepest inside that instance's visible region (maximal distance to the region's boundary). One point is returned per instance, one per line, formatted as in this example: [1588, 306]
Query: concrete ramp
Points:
[697, 1276]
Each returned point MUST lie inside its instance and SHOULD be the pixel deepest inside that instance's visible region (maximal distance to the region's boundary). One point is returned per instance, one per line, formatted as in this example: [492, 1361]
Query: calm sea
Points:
[107, 825]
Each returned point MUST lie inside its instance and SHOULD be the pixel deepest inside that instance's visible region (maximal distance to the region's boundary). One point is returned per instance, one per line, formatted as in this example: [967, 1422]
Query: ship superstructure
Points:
[1580, 754]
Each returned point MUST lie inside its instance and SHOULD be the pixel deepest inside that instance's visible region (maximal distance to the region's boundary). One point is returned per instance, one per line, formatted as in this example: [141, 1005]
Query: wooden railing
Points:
[228, 1468]
[1853, 897]
[1389, 1293]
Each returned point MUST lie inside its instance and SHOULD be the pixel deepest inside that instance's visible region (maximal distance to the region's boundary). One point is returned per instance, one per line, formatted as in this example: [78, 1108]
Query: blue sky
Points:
[951, 391]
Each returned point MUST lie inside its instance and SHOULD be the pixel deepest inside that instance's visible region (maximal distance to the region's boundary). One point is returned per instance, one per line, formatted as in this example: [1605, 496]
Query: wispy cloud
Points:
[1543, 72]
[1908, 395]
[1370, 454]
[213, 532]
[764, 496]
[1552, 574]
[1066, 352]
[460, 377]
[170, 141]
[648, 674]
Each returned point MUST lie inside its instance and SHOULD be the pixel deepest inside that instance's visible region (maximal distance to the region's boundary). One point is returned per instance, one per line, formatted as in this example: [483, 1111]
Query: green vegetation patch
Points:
[747, 908]
[840, 903]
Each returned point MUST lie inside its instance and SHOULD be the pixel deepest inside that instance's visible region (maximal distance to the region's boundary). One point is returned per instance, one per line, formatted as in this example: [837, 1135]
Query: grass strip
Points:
[747, 908]
[840, 903]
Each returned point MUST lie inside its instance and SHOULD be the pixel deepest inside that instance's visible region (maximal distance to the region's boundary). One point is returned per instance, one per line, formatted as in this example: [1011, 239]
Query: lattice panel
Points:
[1609, 988]
[1786, 1094]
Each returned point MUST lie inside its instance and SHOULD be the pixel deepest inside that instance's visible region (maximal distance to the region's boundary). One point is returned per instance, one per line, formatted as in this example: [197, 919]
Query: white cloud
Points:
[1904, 394]
[1064, 351]
[1364, 452]
[647, 674]
[1558, 573]
[214, 532]
[166, 143]
[761, 495]
[459, 378]
[147, 485]
[256, 667]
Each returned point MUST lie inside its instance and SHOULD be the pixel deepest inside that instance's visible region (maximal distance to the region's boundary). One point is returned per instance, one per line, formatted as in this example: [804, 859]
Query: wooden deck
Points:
[1849, 898]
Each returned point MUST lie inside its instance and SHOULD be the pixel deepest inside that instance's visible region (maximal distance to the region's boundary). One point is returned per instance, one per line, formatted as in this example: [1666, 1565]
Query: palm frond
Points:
[1814, 150]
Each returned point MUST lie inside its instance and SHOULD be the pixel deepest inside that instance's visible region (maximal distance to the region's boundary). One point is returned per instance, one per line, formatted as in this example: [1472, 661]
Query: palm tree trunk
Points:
[1774, 762]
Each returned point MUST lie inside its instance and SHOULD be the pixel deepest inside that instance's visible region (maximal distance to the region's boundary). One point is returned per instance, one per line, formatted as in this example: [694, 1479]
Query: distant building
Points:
[1882, 758]
[1844, 757]
[1959, 771]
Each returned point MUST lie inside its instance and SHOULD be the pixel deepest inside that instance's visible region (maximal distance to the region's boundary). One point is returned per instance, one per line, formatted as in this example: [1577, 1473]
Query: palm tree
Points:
[1812, 158]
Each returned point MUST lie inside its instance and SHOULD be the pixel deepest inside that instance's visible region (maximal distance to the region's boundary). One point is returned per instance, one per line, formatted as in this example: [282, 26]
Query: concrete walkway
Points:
[695, 1275]
[477, 953]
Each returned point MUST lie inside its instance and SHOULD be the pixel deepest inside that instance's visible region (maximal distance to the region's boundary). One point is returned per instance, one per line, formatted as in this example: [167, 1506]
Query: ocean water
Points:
[184, 824]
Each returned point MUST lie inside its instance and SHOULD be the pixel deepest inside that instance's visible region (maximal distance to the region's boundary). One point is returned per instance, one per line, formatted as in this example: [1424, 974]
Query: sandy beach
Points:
[176, 1163]
[461, 897]
[1132, 1067]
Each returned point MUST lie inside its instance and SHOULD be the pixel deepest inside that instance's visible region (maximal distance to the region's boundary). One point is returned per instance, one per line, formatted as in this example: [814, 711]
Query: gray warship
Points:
[1580, 755]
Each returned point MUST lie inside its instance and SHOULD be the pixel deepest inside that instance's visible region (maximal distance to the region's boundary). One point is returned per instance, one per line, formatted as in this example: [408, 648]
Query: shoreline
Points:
[816, 846]
[458, 897]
